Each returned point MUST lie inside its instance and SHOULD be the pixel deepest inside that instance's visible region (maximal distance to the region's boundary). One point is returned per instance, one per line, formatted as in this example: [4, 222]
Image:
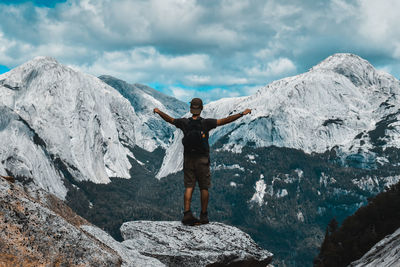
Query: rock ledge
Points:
[174, 244]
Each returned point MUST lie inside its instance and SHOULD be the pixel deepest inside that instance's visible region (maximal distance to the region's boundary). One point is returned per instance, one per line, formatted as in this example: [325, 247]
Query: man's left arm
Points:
[232, 118]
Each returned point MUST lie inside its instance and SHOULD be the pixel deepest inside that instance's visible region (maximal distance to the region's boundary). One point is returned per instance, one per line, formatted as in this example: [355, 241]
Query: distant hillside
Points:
[359, 232]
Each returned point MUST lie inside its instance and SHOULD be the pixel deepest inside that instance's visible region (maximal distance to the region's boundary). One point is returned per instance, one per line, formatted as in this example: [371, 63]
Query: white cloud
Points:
[342, 10]
[145, 64]
[198, 79]
[186, 94]
[396, 52]
[225, 44]
[379, 24]
[183, 93]
[218, 34]
[276, 68]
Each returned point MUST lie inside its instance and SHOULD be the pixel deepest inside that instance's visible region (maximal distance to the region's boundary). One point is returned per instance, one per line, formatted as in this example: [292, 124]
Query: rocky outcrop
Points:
[384, 254]
[174, 244]
[130, 257]
[33, 235]
[38, 229]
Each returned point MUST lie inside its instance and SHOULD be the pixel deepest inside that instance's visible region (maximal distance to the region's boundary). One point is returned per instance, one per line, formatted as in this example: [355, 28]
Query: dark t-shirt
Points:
[183, 124]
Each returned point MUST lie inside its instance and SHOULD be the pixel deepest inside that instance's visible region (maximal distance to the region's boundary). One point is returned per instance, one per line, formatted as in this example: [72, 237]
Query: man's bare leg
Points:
[204, 200]
[187, 198]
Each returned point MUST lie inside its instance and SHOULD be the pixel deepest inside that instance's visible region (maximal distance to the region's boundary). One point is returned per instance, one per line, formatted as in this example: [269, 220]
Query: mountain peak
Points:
[339, 59]
[358, 70]
[40, 61]
[44, 59]
[32, 68]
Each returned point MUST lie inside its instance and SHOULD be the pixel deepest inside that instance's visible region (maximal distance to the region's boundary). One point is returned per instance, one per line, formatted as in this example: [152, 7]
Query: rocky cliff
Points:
[38, 229]
[214, 244]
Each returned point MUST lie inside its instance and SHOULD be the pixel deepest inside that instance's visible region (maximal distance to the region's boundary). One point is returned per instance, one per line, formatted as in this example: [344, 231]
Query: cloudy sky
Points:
[206, 48]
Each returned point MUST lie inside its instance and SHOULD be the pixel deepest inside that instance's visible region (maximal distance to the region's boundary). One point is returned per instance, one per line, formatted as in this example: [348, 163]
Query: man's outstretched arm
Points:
[232, 117]
[163, 115]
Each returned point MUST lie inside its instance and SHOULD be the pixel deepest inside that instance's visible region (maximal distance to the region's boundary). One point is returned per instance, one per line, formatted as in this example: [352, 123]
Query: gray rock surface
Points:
[130, 257]
[38, 229]
[33, 235]
[386, 253]
[174, 244]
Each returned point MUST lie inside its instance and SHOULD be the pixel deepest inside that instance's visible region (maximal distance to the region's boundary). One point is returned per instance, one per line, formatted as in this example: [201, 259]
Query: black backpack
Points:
[195, 139]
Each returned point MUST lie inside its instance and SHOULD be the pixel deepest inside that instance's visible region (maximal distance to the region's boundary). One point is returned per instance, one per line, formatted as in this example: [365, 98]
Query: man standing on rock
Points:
[196, 164]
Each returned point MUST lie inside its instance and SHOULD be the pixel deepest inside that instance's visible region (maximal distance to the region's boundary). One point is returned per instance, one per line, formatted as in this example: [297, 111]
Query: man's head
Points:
[196, 106]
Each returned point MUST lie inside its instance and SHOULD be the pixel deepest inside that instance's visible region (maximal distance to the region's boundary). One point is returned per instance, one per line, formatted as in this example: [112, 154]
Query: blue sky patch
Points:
[41, 3]
[3, 69]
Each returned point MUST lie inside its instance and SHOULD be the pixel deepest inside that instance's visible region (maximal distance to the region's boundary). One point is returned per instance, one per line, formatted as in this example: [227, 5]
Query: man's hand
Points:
[156, 110]
[247, 111]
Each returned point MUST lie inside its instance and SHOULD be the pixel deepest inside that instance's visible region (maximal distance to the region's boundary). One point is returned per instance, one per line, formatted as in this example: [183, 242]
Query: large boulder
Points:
[213, 244]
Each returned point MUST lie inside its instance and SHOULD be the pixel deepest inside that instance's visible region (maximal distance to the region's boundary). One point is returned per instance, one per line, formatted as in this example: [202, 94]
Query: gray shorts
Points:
[197, 168]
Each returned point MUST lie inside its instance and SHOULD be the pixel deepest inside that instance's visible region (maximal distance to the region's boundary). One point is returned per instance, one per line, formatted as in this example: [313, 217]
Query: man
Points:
[196, 164]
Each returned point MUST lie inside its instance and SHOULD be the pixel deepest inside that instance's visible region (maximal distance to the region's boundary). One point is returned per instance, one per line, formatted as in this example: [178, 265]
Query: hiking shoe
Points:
[204, 218]
[189, 219]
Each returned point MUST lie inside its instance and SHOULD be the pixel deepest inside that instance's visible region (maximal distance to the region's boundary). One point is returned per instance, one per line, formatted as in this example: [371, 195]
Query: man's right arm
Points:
[165, 116]
[232, 118]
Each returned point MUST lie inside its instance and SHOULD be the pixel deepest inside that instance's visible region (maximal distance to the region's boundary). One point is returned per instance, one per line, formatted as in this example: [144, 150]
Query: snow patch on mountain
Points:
[325, 180]
[260, 188]
[227, 167]
[300, 216]
[375, 183]
[282, 193]
[343, 102]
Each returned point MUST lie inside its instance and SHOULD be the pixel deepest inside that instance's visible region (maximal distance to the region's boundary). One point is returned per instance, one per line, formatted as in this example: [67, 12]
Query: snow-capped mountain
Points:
[58, 123]
[341, 103]
[153, 132]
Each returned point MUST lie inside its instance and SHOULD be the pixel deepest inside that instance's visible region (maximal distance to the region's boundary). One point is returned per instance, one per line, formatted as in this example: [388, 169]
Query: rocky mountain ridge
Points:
[58, 126]
[154, 133]
[343, 103]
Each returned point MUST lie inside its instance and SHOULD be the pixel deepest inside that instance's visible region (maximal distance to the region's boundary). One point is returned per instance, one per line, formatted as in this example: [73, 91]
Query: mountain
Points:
[316, 146]
[343, 103]
[59, 126]
[153, 132]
